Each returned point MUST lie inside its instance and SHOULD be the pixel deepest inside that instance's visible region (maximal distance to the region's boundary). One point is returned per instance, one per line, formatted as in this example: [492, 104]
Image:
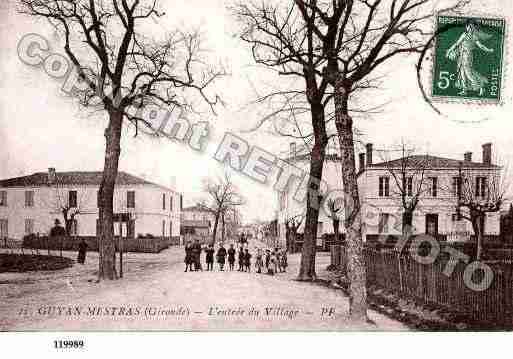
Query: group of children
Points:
[272, 261]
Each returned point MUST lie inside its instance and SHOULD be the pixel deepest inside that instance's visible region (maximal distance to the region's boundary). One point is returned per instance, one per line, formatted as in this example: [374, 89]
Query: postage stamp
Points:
[468, 58]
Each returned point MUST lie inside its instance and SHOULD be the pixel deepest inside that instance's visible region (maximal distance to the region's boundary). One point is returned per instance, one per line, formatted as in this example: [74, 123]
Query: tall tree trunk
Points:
[307, 265]
[407, 224]
[353, 216]
[214, 232]
[478, 222]
[223, 223]
[338, 249]
[107, 247]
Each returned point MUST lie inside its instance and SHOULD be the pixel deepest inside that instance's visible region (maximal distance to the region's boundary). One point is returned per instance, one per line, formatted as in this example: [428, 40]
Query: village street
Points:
[156, 294]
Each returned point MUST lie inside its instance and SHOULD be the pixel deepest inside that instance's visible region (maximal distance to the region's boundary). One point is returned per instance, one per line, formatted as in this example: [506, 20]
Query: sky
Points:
[41, 128]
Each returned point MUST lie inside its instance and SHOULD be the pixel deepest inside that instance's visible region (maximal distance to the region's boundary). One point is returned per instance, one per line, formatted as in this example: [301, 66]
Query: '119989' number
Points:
[68, 344]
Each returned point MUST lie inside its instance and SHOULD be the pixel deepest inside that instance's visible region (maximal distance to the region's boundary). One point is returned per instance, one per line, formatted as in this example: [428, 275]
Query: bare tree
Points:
[410, 182]
[334, 213]
[225, 196]
[281, 40]
[479, 192]
[292, 225]
[128, 72]
[356, 38]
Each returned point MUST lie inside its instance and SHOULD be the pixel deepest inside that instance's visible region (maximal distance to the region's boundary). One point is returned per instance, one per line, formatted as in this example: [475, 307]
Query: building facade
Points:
[290, 208]
[30, 205]
[436, 183]
[436, 212]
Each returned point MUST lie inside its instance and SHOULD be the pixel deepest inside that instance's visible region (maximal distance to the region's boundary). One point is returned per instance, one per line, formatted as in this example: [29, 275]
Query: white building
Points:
[289, 207]
[381, 203]
[30, 204]
[435, 181]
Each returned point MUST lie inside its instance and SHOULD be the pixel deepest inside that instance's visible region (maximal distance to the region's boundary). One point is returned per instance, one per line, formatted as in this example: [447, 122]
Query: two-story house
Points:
[289, 208]
[197, 219]
[435, 182]
[30, 204]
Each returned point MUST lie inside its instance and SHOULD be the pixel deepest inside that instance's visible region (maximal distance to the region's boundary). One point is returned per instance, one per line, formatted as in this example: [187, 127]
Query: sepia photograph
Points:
[255, 166]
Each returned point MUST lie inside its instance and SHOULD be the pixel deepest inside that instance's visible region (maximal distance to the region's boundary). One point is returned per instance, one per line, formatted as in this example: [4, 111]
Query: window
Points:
[434, 186]
[383, 222]
[408, 186]
[3, 198]
[72, 199]
[130, 199]
[29, 226]
[181, 202]
[481, 186]
[456, 186]
[171, 203]
[163, 201]
[29, 198]
[163, 228]
[170, 228]
[384, 186]
[131, 229]
[455, 217]
[4, 228]
[74, 228]
[98, 227]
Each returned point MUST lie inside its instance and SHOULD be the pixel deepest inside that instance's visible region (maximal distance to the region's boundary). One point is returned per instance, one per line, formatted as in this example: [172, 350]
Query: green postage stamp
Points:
[468, 61]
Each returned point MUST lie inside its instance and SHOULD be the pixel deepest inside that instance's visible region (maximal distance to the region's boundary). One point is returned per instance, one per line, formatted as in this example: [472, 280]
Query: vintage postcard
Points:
[270, 165]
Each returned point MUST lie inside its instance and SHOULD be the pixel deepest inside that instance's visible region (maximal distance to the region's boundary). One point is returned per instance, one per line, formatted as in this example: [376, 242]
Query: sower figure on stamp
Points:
[221, 256]
[463, 52]
[209, 258]
[82, 250]
[231, 257]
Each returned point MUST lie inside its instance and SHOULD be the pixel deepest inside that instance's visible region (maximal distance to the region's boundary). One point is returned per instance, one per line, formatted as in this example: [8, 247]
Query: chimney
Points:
[361, 156]
[368, 147]
[487, 153]
[467, 156]
[292, 149]
[51, 175]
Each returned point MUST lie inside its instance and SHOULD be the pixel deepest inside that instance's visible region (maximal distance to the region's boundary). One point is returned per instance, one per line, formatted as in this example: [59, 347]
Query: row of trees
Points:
[336, 49]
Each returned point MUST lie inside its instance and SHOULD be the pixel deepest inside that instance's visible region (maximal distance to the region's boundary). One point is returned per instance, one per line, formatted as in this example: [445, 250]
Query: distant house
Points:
[289, 207]
[30, 204]
[199, 219]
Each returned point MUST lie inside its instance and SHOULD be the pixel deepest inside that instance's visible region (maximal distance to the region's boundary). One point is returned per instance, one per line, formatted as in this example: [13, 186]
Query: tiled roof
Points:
[73, 178]
[427, 161]
[197, 208]
[306, 157]
[197, 224]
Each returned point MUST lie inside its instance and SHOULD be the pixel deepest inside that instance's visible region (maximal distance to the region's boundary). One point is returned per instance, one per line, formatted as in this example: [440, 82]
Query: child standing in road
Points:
[221, 254]
[284, 261]
[272, 264]
[241, 260]
[231, 257]
[259, 261]
[247, 261]
[209, 258]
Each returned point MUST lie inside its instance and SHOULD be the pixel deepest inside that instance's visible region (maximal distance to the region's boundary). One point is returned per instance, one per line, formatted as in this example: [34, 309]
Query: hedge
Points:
[138, 245]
